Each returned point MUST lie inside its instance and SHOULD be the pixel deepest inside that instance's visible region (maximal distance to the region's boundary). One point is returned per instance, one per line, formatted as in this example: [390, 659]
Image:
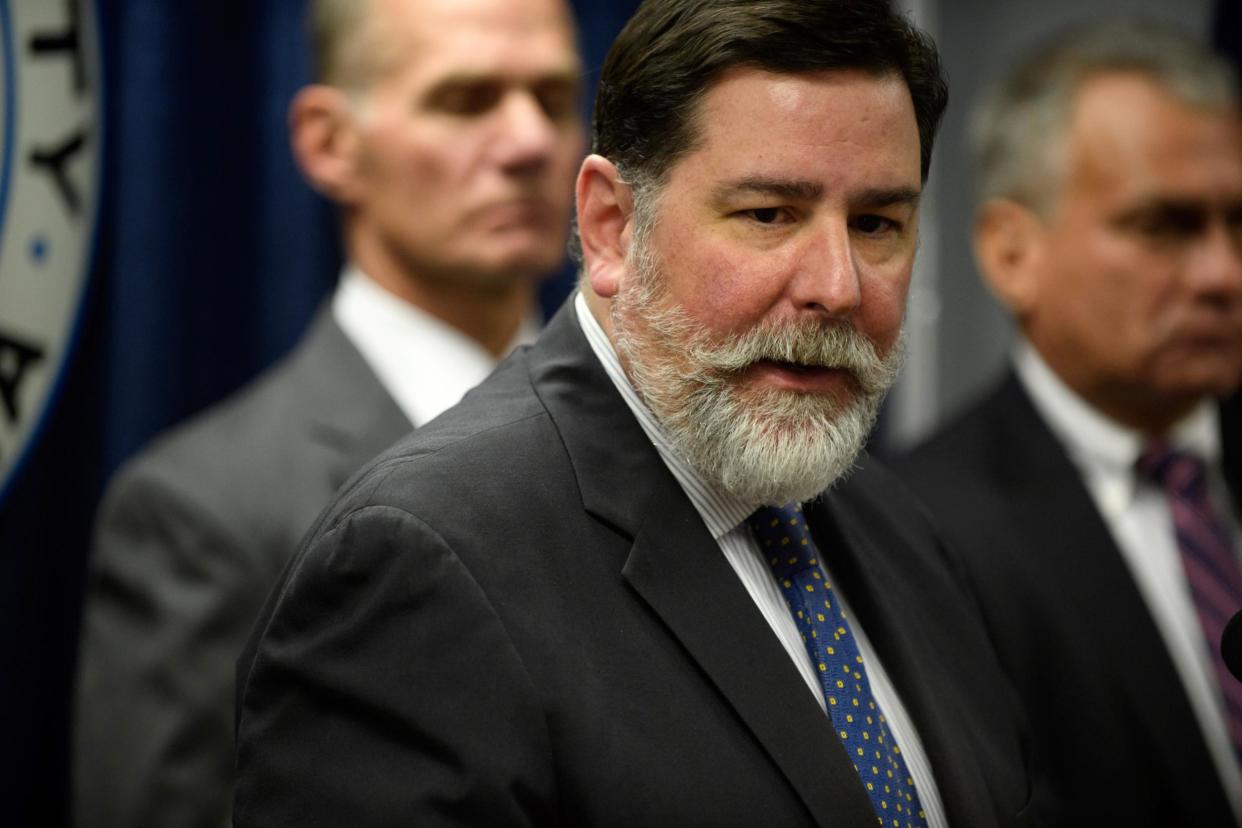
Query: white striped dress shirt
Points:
[725, 518]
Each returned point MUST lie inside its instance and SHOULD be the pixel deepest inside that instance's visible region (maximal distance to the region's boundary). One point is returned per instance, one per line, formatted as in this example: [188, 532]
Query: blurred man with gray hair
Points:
[448, 133]
[1096, 492]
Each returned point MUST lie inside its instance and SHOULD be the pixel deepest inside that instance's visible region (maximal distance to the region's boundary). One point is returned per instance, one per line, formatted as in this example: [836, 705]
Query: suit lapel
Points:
[1098, 584]
[887, 597]
[681, 573]
[348, 412]
[677, 568]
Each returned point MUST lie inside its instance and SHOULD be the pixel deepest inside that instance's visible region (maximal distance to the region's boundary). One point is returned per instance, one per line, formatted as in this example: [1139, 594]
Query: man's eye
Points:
[1173, 225]
[765, 215]
[1233, 219]
[559, 101]
[471, 99]
[1168, 224]
[872, 225]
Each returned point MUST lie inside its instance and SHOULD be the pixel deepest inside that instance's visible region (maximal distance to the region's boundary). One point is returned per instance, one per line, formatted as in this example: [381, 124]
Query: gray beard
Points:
[780, 447]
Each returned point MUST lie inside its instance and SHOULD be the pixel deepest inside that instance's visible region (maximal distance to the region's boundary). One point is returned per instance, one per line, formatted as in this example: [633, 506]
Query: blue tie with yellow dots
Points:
[785, 540]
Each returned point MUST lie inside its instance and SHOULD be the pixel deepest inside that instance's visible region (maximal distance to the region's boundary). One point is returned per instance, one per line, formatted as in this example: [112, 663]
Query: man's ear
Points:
[605, 207]
[322, 132]
[1009, 248]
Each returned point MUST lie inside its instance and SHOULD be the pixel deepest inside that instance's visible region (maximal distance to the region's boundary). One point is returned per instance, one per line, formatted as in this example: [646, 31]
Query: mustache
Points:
[834, 345]
[820, 343]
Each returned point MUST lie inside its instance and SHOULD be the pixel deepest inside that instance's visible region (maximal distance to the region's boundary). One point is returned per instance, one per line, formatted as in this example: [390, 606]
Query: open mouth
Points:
[799, 376]
[797, 367]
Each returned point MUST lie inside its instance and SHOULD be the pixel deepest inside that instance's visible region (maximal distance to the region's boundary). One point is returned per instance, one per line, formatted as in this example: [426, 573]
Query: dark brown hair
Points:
[671, 51]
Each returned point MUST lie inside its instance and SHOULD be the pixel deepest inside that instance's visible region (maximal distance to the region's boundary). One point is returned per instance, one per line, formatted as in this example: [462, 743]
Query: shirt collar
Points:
[721, 511]
[424, 363]
[1094, 439]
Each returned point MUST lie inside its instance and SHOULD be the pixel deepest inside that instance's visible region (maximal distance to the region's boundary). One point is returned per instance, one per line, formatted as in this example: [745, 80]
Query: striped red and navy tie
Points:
[1212, 569]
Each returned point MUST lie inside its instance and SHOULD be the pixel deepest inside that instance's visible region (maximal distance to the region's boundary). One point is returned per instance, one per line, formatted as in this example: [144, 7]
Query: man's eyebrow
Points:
[1163, 202]
[798, 190]
[567, 76]
[1162, 207]
[888, 197]
[780, 187]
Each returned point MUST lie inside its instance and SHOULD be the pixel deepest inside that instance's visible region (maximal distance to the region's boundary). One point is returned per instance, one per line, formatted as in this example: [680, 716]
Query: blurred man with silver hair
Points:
[1096, 493]
[447, 132]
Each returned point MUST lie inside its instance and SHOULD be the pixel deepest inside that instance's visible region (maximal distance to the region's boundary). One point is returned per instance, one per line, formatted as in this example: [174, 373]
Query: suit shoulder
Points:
[245, 465]
[964, 432]
[881, 501]
[960, 453]
[874, 485]
[209, 436]
[477, 452]
[259, 420]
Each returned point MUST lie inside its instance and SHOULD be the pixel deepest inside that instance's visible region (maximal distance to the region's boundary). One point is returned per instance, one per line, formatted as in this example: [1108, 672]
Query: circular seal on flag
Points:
[50, 134]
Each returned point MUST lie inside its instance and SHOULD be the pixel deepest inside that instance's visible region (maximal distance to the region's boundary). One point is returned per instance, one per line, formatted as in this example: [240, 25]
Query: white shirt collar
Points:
[424, 363]
[1104, 449]
[721, 511]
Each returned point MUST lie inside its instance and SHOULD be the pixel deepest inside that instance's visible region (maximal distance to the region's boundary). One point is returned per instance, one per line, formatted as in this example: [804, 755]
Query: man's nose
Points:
[826, 279]
[527, 135]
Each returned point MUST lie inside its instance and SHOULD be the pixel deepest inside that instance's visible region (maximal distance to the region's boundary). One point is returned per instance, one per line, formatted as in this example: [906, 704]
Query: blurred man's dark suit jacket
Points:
[191, 536]
[516, 617]
[1105, 701]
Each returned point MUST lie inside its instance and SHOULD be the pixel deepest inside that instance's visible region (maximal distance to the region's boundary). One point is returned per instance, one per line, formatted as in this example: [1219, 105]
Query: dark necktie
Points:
[1212, 570]
[785, 541]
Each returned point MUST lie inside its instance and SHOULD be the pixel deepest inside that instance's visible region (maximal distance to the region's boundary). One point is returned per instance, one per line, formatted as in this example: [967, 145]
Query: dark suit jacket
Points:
[1110, 716]
[516, 617]
[190, 538]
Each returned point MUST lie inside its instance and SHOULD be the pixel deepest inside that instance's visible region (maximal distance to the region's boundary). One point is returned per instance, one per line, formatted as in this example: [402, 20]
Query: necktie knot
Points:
[1179, 472]
[784, 538]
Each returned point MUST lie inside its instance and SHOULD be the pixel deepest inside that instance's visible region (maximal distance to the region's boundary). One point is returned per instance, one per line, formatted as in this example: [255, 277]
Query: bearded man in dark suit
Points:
[611, 587]
[448, 133]
[1096, 493]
